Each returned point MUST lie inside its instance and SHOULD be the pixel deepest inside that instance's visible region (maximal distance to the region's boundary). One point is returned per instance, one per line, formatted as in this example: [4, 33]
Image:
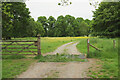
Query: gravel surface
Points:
[69, 48]
[59, 69]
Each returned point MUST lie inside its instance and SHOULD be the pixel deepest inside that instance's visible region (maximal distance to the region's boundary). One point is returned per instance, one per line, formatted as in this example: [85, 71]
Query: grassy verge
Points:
[61, 58]
[11, 68]
[108, 56]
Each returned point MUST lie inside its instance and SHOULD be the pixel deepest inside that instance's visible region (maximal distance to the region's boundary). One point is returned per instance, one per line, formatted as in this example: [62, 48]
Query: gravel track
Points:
[59, 69]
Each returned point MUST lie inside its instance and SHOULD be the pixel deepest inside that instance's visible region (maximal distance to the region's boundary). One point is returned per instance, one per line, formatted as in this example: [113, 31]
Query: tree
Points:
[34, 28]
[70, 30]
[84, 28]
[43, 21]
[51, 26]
[87, 21]
[31, 28]
[70, 26]
[39, 29]
[106, 19]
[60, 26]
[15, 18]
[77, 26]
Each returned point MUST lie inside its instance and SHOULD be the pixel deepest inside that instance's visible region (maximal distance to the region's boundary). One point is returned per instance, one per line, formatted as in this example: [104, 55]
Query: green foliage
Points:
[51, 26]
[15, 18]
[65, 26]
[43, 21]
[84, 28]
[16, 21]
[106, 19]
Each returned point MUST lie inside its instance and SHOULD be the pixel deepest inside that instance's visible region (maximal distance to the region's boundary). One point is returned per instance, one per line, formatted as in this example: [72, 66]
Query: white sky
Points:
[78, 8]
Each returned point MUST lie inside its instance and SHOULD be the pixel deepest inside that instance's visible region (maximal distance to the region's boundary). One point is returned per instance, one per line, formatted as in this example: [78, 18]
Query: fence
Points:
[26, 47]
[88, 44]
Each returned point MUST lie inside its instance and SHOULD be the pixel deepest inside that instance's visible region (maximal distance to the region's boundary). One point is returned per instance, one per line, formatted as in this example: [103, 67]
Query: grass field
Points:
[108, 55]
[14, 65]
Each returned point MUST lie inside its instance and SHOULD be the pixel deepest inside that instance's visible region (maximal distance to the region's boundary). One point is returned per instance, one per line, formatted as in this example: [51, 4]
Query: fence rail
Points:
[88, 44]
[26, 48]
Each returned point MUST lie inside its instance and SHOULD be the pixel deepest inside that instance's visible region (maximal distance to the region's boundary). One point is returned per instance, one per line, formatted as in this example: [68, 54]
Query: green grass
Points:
[13, 56]
[108, 55]
[11, 68]
[61, 58]
[105, 45]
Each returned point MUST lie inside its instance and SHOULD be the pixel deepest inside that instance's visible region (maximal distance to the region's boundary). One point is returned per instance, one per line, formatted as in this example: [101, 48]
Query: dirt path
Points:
[59, 69]
[69, 48]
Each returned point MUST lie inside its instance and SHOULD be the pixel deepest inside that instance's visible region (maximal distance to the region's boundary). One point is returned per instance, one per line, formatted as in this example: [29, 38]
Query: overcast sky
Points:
[78, 8]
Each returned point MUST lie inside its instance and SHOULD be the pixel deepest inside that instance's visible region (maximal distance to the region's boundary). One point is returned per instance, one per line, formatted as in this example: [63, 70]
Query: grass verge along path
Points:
[11, 68]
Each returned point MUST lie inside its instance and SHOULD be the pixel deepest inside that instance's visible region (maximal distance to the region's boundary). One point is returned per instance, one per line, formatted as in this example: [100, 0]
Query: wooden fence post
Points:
[38, 44]
[114, 43]
[88, 46]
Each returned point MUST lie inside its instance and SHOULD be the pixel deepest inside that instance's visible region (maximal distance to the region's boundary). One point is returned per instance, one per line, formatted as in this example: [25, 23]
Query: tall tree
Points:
[84, 28]
[15, 18]
[70, 30]
[34, 28]
[39, 29]
[70, 25]
[51, 26]
[106, 19]
[60, 26]
[43, 21]
[77, 26]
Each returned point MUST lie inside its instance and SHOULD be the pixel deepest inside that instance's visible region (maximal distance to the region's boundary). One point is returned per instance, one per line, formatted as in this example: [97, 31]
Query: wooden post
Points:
[88, 46]
[38, 44]
[114, 43]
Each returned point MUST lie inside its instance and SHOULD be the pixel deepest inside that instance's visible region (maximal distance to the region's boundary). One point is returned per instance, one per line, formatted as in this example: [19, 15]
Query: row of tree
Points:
[64, 26]
[16, 22]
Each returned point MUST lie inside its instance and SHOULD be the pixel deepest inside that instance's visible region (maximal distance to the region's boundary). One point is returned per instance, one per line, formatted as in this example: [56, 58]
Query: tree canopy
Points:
[65, 26]
[106, 19]
[16, 21]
